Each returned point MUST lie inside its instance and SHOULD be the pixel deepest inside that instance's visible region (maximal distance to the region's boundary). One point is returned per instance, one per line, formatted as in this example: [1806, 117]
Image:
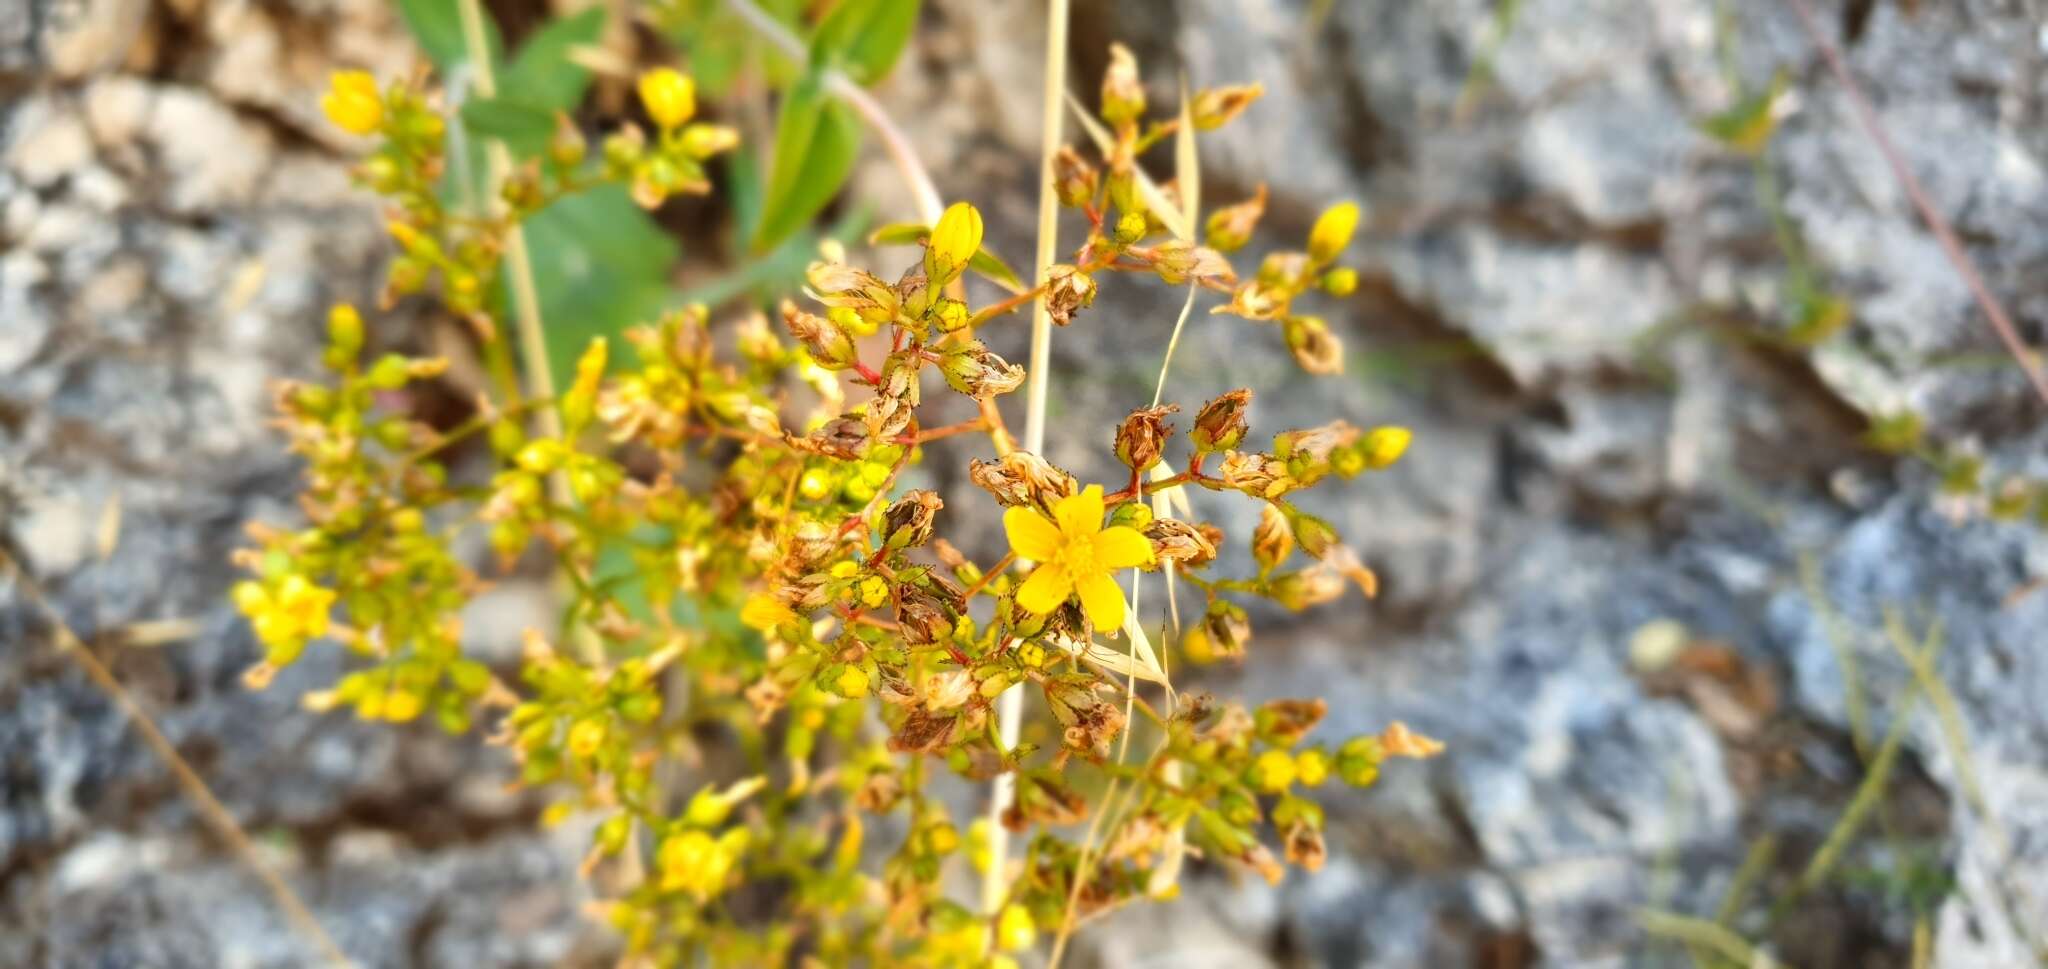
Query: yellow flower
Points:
[954, 241]
[669, 95]
[1015, 929]
[286, 616]
[1274, 771]
[1075, 554]
[352, 102]
[765, 612]
[1385, 445]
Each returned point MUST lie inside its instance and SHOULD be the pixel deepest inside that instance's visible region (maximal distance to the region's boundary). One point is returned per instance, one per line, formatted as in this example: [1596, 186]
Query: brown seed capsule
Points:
[1220, 424]
[1273, 539]
[972, 370]
[1022, 479]
[1215, 107]
[829, 345]
[909, 519]
[1225, 630]
[1177, 541]
[1314, 346]
[922, 616]
[1123, 97]
[1231, 227]
[845, 438]
[1067, 291]
[1176, 262]
[865, 294]
[1258, 475]
[1304, 846]
[1073, 178]
[1142, 437]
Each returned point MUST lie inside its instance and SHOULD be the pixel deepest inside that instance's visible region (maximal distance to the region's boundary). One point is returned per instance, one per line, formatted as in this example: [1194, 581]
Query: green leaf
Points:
[542, 72]
[865, 37]
[899, 234]
[437, 25]
[524, 127]
[816, 139]
[1747, 126]
[600, 265]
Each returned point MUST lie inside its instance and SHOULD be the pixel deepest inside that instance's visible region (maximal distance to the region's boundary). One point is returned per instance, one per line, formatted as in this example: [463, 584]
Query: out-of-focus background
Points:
[1643, 576]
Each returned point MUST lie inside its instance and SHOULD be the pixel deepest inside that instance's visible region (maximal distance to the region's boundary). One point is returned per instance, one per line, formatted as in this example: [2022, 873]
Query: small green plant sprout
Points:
[753, 598]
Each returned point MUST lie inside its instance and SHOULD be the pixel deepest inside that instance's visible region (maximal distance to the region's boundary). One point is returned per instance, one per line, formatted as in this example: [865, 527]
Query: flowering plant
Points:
[767, 651]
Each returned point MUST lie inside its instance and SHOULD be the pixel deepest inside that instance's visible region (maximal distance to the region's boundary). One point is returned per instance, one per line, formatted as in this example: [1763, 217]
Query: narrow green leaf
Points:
[542, 73]
[899, 234]
[437, 25]
[524, 127]
[864, 37]
[816, 140]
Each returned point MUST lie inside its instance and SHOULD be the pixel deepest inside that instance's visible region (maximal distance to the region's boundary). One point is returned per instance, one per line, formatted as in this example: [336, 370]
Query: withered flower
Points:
[922, 616]
[1229, 228]
[1021, 479]
[1074, 180]
[1142, 437]
[1285, 722]
[845, 438]
[829, 345]
[1220, 425]
[1304, 845]
[973, 370]
[1215, 107]
[1258, 475]
[1177, 541]
[1314, 346]
[1123, 96]
[909, 519]
[1068, 290]
[1273, 539]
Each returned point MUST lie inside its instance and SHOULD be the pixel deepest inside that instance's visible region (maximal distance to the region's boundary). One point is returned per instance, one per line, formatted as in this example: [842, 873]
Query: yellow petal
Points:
[1122, 547]
[1045, 589]
[1080, 514]
[1101, 600]
[1032, 535]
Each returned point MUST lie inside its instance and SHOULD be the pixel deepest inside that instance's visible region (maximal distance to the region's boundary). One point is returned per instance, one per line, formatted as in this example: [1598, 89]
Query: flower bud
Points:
[1315, 535]
[908, 522]
[1142, 437]
[1215, 107]
[669, 96]
[972, 370]
[1384, 445]
[701, 141]
[567, 147]
[1067, 291]
[1273, 772]
[581, 400]
[1130, 226]
[828, 344]
[352, 102]
[1332, 232]
[1309, 587]
[954, 241]
[1074, 180]
[1123, 97]
[1177, 541]
[1358, 761]
[1315, 348]
[1340, 282]
[1273, 539]
[345, 331]
[1229, 228]
[1220, 425]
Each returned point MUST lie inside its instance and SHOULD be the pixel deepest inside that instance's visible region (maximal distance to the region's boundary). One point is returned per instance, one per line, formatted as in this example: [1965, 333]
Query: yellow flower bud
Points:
[1385, 445]
[1015, 929]
[352, 102]
[1332, 232]
[954, 241]
[1312, 766]
[765, 612]
[669, 96]
[852, 683]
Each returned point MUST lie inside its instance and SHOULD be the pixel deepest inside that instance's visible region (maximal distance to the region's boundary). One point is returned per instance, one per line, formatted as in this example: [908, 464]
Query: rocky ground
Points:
[1637, 568]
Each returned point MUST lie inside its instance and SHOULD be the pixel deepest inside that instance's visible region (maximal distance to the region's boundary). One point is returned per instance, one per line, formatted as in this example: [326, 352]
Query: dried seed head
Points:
[1123, 96]
[1314, 346]
[828, 343]
[1273, 539]
[1067, 291]
[1176, 262]
[1021, 479]
[1074, 180]
[1177, 541]
[909, 519]
[1258, 475]
[1220, 425]
[1215, 107]
[1309, 587]
[922, 616]
[1142, 437]
[972, 370]
[1231, 227]
[844, 438]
